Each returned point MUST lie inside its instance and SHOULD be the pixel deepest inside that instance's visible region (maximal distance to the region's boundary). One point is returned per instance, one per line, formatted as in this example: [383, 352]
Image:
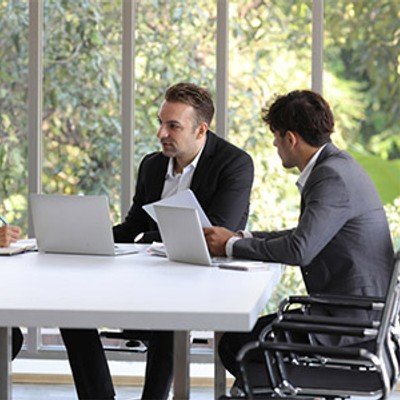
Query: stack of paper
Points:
[19, 247]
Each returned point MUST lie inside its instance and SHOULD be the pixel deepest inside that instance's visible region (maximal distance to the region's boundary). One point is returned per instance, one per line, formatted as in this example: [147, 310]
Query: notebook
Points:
[75, 224]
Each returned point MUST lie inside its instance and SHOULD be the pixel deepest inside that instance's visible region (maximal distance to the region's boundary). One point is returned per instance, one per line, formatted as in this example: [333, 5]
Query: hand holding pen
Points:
[8, 233]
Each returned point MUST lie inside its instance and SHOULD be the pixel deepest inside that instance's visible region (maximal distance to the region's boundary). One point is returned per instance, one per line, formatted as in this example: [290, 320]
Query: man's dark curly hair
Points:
[301, 111]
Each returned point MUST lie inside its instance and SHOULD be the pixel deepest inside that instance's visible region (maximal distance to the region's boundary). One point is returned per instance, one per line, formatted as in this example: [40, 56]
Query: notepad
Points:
[19, 247]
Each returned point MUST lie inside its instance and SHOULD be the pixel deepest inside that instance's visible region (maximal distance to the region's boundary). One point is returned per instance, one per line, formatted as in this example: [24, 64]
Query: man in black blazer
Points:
[219, 174]
[10, 234]
[342, 241]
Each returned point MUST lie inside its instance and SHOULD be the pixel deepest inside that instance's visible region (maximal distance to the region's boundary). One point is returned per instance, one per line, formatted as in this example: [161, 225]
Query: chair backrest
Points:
[390, 311]
[385, 340]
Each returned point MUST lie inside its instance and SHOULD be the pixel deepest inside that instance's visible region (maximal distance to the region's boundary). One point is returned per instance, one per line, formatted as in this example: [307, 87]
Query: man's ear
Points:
[292, 138]
[202, 130]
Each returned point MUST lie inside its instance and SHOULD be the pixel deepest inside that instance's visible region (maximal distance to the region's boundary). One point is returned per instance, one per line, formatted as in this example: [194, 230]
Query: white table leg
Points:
[5, 363]
[181, 365]
[219, 370]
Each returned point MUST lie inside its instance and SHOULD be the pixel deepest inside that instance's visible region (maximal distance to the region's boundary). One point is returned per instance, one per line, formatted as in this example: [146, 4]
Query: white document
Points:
[157, 249]
[21, 246]
[186, 199]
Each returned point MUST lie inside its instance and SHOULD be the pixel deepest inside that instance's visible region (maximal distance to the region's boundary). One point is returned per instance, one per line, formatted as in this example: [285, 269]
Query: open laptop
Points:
[184, 241]
[182, 235]
[75, 224]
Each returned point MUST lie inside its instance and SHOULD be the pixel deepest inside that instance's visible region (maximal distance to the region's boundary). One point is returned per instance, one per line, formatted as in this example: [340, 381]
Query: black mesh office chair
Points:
[299, 370]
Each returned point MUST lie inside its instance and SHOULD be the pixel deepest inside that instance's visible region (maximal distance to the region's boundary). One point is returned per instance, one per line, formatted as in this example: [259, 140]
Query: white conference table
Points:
[135, 291]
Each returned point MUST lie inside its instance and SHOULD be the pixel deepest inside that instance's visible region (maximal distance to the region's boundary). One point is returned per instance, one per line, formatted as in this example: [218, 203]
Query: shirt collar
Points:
[170, 169]
[307, 170]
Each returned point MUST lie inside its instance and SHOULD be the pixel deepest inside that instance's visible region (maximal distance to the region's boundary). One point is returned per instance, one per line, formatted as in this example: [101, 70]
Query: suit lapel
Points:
[328, 151]
[156, 184]
[200, 174]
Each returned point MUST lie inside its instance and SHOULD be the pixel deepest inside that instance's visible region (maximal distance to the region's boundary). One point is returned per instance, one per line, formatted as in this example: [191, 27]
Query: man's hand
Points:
[216, 238]
[9, 234]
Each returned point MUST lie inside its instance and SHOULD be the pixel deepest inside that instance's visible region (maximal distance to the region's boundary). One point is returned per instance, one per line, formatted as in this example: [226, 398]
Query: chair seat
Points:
[315, 380]
[265, 397]
[348, 380]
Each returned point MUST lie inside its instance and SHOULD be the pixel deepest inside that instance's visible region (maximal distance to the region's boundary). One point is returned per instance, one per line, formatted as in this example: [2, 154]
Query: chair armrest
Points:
[350, 297]
[337, 321]
[364, 303]
[325, 329]
[306, 349]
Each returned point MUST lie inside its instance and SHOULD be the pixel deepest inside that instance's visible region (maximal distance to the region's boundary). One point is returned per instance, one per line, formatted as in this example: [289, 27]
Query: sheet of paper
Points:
[157, 249]
[19, 247]
[187, 199]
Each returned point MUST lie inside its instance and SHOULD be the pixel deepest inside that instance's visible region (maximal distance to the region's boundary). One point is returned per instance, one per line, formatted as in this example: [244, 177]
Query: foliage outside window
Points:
[13, 111]
[175, 42]
[82, 94]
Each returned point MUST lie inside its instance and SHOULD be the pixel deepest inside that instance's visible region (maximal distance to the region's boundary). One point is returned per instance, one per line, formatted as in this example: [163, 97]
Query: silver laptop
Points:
[182, 235]
[74, 224]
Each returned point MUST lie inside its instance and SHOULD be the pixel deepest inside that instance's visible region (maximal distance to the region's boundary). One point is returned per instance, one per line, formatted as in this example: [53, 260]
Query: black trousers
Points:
[17, 340]
[91, 372]
[232, 342]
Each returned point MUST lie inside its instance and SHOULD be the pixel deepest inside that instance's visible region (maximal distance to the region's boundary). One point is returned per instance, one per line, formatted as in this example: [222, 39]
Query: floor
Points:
[23, 391]
[67, 392]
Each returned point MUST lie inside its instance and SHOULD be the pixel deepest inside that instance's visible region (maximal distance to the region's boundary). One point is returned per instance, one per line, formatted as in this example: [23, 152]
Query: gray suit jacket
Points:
[342, 241]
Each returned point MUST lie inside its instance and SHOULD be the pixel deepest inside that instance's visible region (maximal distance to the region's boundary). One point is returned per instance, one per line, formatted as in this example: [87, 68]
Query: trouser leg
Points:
[232, 342]
[17, 339]
[159, 368]
[88, 364]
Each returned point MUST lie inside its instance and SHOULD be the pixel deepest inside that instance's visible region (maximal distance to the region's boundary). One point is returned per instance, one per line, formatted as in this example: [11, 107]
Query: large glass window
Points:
[82, 91]
[362, 82]
[14, 20]
[269, 53]
[175, 42]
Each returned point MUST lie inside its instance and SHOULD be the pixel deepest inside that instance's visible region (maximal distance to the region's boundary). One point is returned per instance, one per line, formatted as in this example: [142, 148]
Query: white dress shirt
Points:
[300, 185]
[175, 182]
[307, 170]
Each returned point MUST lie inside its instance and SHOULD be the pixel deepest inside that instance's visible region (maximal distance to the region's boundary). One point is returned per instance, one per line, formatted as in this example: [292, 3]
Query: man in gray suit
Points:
[342, 241]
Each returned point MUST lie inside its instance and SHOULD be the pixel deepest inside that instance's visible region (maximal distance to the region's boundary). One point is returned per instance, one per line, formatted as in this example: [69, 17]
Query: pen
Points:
[3, 220]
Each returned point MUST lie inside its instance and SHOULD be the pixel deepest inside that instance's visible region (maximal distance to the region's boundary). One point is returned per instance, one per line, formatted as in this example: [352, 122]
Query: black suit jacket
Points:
[221, 183]
[342, 242]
